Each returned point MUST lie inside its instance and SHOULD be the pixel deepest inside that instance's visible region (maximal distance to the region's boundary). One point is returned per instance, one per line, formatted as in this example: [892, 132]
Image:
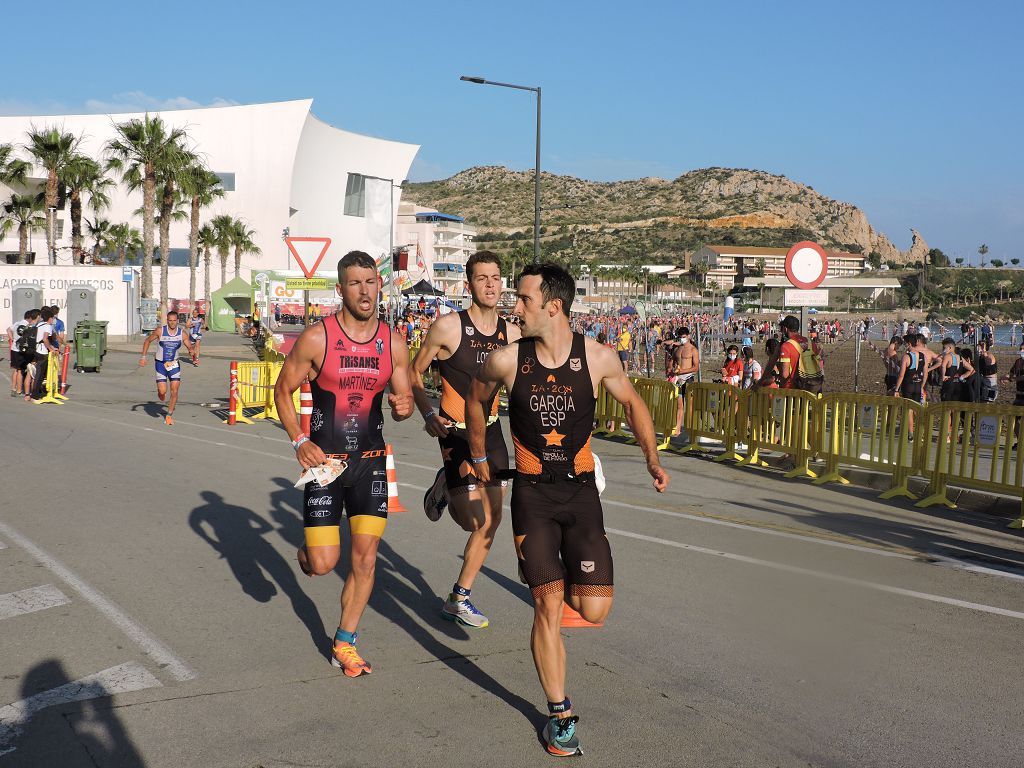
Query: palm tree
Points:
[12, 170]
[140, 151]
[23, 212]
[83, 174]
[982, 251]
[242, 241]
[53, 150]
[223, 226]
[175, 167]
[207, 241]
[101, 233]
[202, 187]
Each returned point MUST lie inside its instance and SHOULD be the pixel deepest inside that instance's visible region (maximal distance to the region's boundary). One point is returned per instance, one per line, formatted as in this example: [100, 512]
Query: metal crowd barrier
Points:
[782, 420]
[251, 385]
[711, 412]
[871, 431]
[973, 445]
[977, 448]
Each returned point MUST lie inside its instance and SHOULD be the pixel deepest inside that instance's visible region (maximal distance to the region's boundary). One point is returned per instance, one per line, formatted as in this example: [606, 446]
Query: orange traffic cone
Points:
[571, 618]
[394, 503]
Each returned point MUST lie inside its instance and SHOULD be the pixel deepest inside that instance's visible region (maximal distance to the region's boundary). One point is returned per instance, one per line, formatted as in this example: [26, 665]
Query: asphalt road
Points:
[151, 612]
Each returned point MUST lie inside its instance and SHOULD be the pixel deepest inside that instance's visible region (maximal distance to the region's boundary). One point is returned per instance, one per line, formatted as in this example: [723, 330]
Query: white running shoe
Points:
[463, 612]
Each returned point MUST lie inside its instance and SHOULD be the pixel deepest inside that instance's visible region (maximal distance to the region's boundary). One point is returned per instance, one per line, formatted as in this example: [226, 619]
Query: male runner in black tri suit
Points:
[552, 376]
[461, 341]
[349, 359]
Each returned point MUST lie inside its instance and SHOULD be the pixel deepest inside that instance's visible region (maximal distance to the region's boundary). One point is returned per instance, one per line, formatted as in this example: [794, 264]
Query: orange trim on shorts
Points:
[323, 536]
[370, 525]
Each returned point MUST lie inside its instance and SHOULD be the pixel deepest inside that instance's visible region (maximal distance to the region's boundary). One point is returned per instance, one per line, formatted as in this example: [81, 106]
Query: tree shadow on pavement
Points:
[237, 535]
[82, 732]
[401, 594]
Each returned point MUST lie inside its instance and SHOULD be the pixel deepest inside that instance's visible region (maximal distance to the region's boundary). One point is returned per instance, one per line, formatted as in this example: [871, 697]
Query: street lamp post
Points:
[536, 166]
[391, 240]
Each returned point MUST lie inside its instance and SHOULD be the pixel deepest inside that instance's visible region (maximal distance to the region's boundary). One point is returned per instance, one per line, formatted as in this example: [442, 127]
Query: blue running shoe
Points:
[560, 736]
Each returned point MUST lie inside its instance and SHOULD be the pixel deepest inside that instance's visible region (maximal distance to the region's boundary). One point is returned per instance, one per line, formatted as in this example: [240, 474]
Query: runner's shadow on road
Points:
[395, 599]
[237, 535]
[86, 731]
[401, 594]
[515, 588]
[156, 410]
[286, 506]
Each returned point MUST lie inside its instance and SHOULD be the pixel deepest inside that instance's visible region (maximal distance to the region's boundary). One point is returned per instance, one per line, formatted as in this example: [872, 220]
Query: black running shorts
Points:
[912, 392]
[361, 493]
[563, 526]
[458, 469]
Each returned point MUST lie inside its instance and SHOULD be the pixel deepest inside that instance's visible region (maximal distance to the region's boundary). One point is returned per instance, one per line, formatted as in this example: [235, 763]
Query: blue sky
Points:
[911, 110]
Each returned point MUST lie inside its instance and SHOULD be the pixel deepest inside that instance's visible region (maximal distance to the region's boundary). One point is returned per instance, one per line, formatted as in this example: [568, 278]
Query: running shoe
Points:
[560, 736]
[168, 420]
[463, 612]
[436, 498]
[347, 658]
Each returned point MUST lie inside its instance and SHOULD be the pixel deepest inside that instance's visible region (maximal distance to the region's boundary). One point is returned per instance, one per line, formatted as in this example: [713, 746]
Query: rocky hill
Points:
[654, 219]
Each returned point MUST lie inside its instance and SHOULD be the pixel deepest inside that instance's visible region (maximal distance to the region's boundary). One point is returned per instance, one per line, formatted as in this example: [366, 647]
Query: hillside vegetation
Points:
[652, 220]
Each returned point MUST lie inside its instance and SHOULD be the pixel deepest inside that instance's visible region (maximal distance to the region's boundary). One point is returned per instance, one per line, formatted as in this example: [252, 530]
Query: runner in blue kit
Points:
[169, 339]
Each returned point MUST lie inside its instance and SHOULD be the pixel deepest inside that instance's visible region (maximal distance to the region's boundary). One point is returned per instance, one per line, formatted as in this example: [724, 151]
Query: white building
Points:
[281, 167]
[730, 265]
[437, 244]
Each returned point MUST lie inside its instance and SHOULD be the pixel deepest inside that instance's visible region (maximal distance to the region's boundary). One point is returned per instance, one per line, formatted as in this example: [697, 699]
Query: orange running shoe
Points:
[168, 420]
[348, 659]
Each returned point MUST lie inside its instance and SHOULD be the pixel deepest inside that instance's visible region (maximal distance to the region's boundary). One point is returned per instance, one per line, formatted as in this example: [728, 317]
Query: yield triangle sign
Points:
[323, 242]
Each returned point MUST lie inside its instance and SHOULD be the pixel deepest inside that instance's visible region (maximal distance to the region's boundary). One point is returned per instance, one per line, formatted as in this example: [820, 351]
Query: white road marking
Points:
[160, 653]
[822, 575]
[120, 679]
[31, 600]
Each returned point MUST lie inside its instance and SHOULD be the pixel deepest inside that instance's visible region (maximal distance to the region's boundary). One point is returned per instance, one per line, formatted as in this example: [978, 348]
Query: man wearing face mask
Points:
[680, 367]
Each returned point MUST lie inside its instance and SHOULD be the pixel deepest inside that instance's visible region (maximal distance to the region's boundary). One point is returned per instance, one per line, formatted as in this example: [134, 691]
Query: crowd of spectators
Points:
[32, 339]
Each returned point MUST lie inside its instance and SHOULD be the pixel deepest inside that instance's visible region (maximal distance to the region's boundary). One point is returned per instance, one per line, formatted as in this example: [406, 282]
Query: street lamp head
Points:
[477, 80]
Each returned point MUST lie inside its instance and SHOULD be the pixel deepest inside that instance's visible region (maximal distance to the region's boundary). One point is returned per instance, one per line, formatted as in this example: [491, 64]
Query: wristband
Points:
[478, 460]
[296, 444]
[429, 415]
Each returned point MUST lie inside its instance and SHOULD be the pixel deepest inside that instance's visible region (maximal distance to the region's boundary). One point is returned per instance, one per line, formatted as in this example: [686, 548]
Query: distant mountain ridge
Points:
[654, 218]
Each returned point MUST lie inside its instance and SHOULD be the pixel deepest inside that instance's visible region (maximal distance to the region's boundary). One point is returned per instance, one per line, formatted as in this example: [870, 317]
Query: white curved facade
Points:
[290, 170]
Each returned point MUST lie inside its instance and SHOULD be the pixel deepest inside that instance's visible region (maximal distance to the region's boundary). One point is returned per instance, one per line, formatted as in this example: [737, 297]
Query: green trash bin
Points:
[87, 348]
[99, 329]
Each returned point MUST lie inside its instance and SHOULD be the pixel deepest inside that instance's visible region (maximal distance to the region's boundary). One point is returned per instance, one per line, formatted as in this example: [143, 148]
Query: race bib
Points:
[170, 365]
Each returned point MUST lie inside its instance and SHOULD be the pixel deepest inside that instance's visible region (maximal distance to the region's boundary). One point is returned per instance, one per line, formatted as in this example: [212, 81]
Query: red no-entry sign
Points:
[806, 265]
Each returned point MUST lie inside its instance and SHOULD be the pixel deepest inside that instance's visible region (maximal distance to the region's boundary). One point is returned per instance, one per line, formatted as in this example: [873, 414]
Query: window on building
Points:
[355, 195]
[227, 180]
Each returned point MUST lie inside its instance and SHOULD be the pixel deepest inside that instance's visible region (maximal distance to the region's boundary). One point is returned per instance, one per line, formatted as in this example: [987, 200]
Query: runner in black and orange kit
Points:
[552, 376]
[461, 341]
[349, 358]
